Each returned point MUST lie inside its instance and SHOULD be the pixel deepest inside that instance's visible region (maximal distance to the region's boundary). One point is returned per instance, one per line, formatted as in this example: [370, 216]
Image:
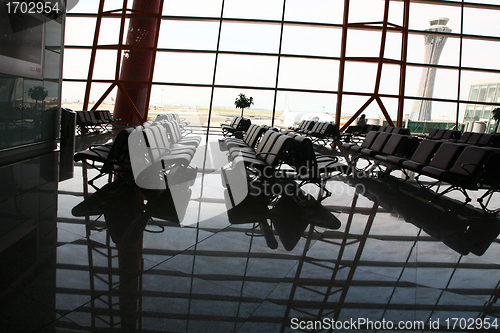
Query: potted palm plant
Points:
[242, 102]
[38, 93]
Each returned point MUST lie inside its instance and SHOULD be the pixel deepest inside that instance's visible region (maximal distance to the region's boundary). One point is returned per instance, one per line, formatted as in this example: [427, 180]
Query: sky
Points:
[316, 74]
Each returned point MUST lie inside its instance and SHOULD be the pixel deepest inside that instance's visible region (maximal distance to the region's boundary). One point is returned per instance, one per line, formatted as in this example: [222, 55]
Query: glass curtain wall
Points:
[30, 79]
[342, 57]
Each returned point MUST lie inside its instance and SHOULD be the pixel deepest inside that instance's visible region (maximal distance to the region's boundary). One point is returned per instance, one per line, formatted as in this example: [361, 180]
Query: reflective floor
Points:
[378, 250]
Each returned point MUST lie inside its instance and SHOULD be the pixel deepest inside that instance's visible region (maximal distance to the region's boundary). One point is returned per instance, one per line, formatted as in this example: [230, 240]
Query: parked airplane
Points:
[292, 118]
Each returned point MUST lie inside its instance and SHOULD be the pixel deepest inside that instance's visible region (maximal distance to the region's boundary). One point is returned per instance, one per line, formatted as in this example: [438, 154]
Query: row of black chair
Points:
[442, 134]
[480, 139]
[94, 121]
[250, 139]
[236, 127]
[154, 161]
[464, 167]
[159, 152]
[269, 152]
[176, 135]
[173, 116]
[320, 132]
[266, 182]
[323, 132]
[381, 145]
[304, 125]
[156, 146]
[471, 138]
[393, 130]
[278, 156]
[362, 131]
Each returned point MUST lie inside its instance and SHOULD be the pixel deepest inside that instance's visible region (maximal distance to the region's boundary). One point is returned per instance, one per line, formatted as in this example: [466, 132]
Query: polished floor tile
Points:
[119, 261]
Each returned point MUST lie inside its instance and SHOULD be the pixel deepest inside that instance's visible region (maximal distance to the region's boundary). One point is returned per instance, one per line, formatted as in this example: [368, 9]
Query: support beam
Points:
[342, 62]
[404, 56]
[138, 62]
[90, 74]
[349, 122]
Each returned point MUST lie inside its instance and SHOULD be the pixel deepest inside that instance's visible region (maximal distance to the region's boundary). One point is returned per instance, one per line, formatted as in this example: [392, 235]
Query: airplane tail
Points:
[285, 109]
[287, 117]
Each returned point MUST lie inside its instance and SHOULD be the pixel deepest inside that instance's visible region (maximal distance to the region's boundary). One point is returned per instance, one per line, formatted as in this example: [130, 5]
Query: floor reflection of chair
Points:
[462, 228]
[490, 304]
[290, 216]
[120, 277]
[166, 206]
[335, 293]
[253, 209]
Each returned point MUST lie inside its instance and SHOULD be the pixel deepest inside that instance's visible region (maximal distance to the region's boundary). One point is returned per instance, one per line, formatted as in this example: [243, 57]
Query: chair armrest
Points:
[264, 153]
[107, 145]
[165, 150]
[463, 165]
[97, 152]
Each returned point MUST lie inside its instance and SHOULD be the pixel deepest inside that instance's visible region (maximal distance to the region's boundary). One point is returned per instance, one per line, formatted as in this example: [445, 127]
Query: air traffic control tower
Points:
[433, 46]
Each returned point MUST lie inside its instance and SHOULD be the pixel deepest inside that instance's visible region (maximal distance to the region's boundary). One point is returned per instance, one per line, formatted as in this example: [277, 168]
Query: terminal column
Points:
[138, 62]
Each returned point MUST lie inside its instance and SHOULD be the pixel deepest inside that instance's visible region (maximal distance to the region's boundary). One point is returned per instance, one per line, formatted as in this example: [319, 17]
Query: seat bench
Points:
[237, 124]
[157, 161]
[94, 121]
[109, 159]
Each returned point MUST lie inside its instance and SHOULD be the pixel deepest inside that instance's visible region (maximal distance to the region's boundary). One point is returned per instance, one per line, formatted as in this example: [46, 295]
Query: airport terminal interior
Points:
[356, 190]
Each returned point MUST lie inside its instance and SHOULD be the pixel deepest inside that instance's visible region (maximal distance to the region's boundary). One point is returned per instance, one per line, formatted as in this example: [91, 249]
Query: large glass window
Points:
[243, 70]
[313, 74]
[296, 46]
[76, 64]
[477, 19]
[317, 41]
[253, 9]
[206, 8]
[366, 11]
[74, 34]
[360, 77]
[188, 35]
[481, 54]
[250, 37]
[318, 11]
[176, 67]
[363, 43]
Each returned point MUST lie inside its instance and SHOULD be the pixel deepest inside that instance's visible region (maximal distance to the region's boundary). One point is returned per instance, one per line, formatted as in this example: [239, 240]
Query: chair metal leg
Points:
[453, 188]
[484, 205]
[85, 179]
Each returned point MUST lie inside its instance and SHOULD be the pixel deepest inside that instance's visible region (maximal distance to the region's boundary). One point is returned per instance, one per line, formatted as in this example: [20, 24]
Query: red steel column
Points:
[137, 62]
